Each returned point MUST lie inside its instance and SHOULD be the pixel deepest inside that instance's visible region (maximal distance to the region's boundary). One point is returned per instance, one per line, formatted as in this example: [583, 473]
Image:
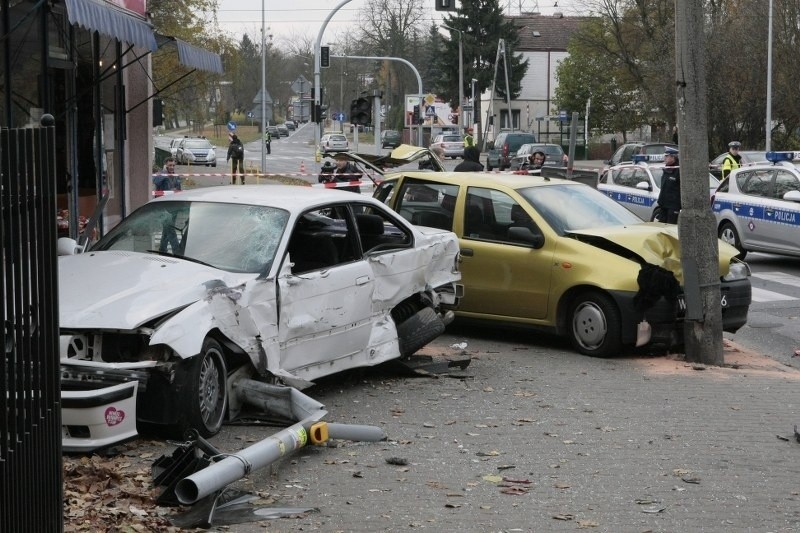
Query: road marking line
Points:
[763, 295]
[778, 277]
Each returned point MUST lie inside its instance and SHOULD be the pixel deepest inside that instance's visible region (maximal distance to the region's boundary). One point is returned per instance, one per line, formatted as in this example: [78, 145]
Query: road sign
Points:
[231, 126]
[301, 84]
[338, 116]
[562, 115]
[430, 111]
[250, 114]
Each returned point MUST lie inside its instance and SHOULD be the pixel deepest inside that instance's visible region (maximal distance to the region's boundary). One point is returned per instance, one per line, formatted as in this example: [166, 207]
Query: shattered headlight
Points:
[738, 270]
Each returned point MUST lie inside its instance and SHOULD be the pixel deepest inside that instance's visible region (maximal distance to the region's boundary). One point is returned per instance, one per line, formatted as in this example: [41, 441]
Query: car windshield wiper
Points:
[186, 257]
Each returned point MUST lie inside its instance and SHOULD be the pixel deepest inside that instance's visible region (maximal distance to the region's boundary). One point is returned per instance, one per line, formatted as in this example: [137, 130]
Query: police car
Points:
[636, 185]
[758, 207]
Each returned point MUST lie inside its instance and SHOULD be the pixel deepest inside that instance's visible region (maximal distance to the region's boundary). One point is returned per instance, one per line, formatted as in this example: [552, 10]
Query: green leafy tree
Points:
[186, 94]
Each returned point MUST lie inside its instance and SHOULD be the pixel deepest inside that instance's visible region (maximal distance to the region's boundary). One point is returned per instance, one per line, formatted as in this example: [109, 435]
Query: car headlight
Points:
[738, 270]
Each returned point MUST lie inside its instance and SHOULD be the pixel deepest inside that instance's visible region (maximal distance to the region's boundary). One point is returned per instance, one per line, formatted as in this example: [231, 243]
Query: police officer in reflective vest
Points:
[469, 140]
[732, 159]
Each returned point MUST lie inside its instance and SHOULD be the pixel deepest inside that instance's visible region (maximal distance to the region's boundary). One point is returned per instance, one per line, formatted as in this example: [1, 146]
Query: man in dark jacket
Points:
[669, 199]
[236, 155]
[471, 162]
[346, 171]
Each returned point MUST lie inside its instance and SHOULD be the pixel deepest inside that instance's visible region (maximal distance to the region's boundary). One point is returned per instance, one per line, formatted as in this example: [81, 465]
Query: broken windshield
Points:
[231, 237]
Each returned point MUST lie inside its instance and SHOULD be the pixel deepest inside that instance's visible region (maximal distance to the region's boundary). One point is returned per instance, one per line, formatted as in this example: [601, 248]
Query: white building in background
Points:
[543, 41]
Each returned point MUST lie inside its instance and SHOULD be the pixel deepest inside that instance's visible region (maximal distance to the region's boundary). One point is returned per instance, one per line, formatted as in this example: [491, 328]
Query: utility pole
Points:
[696, 224]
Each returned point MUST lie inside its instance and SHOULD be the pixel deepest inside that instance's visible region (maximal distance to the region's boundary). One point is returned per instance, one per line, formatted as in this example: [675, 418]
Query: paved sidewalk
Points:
[615, 445]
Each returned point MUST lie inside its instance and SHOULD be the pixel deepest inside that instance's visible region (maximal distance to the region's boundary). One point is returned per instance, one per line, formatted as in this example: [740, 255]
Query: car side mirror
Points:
[490, 144]
[525, 235]
[68, 246]
[792, 196]
[643, 185]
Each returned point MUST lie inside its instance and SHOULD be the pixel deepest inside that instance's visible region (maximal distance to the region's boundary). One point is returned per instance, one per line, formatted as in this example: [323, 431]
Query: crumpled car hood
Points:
[122, 290]
[656, 243]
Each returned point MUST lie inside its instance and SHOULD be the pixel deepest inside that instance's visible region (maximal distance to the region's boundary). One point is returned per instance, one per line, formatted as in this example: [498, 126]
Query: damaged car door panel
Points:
[191, 293]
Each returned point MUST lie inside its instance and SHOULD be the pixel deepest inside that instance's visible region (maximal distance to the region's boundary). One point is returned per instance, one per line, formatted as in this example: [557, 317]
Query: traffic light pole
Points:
[317, 44]
[416, 73]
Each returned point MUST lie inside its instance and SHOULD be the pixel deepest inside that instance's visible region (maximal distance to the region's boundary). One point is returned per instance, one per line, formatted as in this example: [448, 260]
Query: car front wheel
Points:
[595, 325]
[205, 398]
[728, 233]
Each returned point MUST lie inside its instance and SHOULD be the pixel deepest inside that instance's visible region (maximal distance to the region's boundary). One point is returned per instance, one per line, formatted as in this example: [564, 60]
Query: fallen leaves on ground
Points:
[111, 494]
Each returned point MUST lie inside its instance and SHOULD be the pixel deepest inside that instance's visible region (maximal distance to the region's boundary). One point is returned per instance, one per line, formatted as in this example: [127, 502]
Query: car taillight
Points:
[505, 150]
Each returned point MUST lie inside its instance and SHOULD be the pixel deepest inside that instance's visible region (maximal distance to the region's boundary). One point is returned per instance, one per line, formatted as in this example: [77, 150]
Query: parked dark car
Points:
[505, 148]
[391, 139]
[748, 158]
[628, 150]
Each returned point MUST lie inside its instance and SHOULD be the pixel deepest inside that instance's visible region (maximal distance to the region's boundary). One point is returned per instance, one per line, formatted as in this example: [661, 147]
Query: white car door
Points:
[325, 304]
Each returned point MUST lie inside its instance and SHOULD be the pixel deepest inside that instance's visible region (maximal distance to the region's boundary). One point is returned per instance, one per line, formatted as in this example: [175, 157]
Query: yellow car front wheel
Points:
[595, 325]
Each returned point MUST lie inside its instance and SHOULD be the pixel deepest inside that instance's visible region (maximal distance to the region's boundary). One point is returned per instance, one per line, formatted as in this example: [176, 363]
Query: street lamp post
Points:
[472, 112]
[460, 74]
[263, 90]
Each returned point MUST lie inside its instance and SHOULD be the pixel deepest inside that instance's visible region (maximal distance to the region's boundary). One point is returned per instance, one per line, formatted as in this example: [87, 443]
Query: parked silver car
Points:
[334, 142]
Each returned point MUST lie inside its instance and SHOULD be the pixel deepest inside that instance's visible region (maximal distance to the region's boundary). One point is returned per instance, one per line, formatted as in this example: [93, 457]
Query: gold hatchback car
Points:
[561, 256]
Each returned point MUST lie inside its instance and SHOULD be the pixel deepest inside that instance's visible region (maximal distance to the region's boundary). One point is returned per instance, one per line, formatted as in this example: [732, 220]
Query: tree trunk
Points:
[696, 224]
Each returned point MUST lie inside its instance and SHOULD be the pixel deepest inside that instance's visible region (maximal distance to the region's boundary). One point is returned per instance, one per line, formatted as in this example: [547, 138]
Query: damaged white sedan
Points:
[193, 292]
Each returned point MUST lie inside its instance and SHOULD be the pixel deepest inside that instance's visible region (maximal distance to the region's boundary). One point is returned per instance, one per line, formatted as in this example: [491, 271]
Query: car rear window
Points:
[338, 138]
[515, 141]
[451, 139]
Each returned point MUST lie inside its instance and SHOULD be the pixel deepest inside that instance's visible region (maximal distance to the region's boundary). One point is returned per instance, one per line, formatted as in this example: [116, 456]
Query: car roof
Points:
[290, 197]
[402, 155]
[481, 179]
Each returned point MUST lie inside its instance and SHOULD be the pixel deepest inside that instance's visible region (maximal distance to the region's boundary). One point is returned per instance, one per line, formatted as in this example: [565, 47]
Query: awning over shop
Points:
[99, 16]
[193, 56]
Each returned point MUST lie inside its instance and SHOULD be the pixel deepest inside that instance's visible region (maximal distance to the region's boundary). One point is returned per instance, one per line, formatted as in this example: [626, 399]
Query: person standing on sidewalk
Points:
[236, 156]
[167, 180]
[268, 141]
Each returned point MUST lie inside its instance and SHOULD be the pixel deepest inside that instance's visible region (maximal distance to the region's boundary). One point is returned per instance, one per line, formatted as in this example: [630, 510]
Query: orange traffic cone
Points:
[302, 167]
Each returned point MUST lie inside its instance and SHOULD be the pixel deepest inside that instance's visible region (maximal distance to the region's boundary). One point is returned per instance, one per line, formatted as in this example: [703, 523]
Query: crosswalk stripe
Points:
[763, 295]
[778, 277]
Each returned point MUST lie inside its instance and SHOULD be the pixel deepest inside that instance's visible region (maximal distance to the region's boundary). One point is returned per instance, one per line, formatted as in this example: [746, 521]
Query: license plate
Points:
[723, 301]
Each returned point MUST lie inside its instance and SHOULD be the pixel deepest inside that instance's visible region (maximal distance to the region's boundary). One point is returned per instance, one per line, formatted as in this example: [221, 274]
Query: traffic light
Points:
[361, 111]
[158, 112]
[314, 112]
[323, 112]
[324, 56]
[415, 117]
[445, 5]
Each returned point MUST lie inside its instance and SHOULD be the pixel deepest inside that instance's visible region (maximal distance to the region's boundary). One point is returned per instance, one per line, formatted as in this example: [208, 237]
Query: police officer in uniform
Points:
[669, 199]
[732, 159]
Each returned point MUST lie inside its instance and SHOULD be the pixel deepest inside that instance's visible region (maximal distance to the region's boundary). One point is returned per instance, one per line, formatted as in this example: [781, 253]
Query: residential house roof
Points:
[539, 33]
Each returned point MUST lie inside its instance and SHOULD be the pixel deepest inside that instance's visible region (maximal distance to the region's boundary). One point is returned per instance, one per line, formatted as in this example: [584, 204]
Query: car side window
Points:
[757, 183]
[785, 182]
[425, 203]
[322, 238]
[489, 214]
[377, 231]
[626, 177]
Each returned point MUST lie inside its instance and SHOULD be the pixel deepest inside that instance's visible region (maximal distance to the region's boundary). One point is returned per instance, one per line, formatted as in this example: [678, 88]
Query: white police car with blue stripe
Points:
[636, 184]
[758, 207]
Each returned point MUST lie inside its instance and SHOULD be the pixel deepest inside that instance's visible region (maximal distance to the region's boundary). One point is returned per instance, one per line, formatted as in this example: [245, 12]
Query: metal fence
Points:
[31, 491]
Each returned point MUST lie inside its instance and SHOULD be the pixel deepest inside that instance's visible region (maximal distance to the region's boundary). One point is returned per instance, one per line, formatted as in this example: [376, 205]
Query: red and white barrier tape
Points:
[338, 184]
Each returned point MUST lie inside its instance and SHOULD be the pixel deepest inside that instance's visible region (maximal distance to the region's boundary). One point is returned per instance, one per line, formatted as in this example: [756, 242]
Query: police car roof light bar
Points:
[776, 157]
[645, 158]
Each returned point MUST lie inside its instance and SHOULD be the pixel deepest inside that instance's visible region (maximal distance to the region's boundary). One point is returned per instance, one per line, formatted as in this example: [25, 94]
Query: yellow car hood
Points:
[656, 243]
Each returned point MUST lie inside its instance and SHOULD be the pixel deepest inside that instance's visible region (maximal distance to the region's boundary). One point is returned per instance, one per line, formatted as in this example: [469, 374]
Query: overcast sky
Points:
[287, 19]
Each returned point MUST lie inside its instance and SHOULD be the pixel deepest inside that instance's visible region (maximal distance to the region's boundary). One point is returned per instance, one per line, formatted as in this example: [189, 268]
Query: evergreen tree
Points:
[482, 24]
